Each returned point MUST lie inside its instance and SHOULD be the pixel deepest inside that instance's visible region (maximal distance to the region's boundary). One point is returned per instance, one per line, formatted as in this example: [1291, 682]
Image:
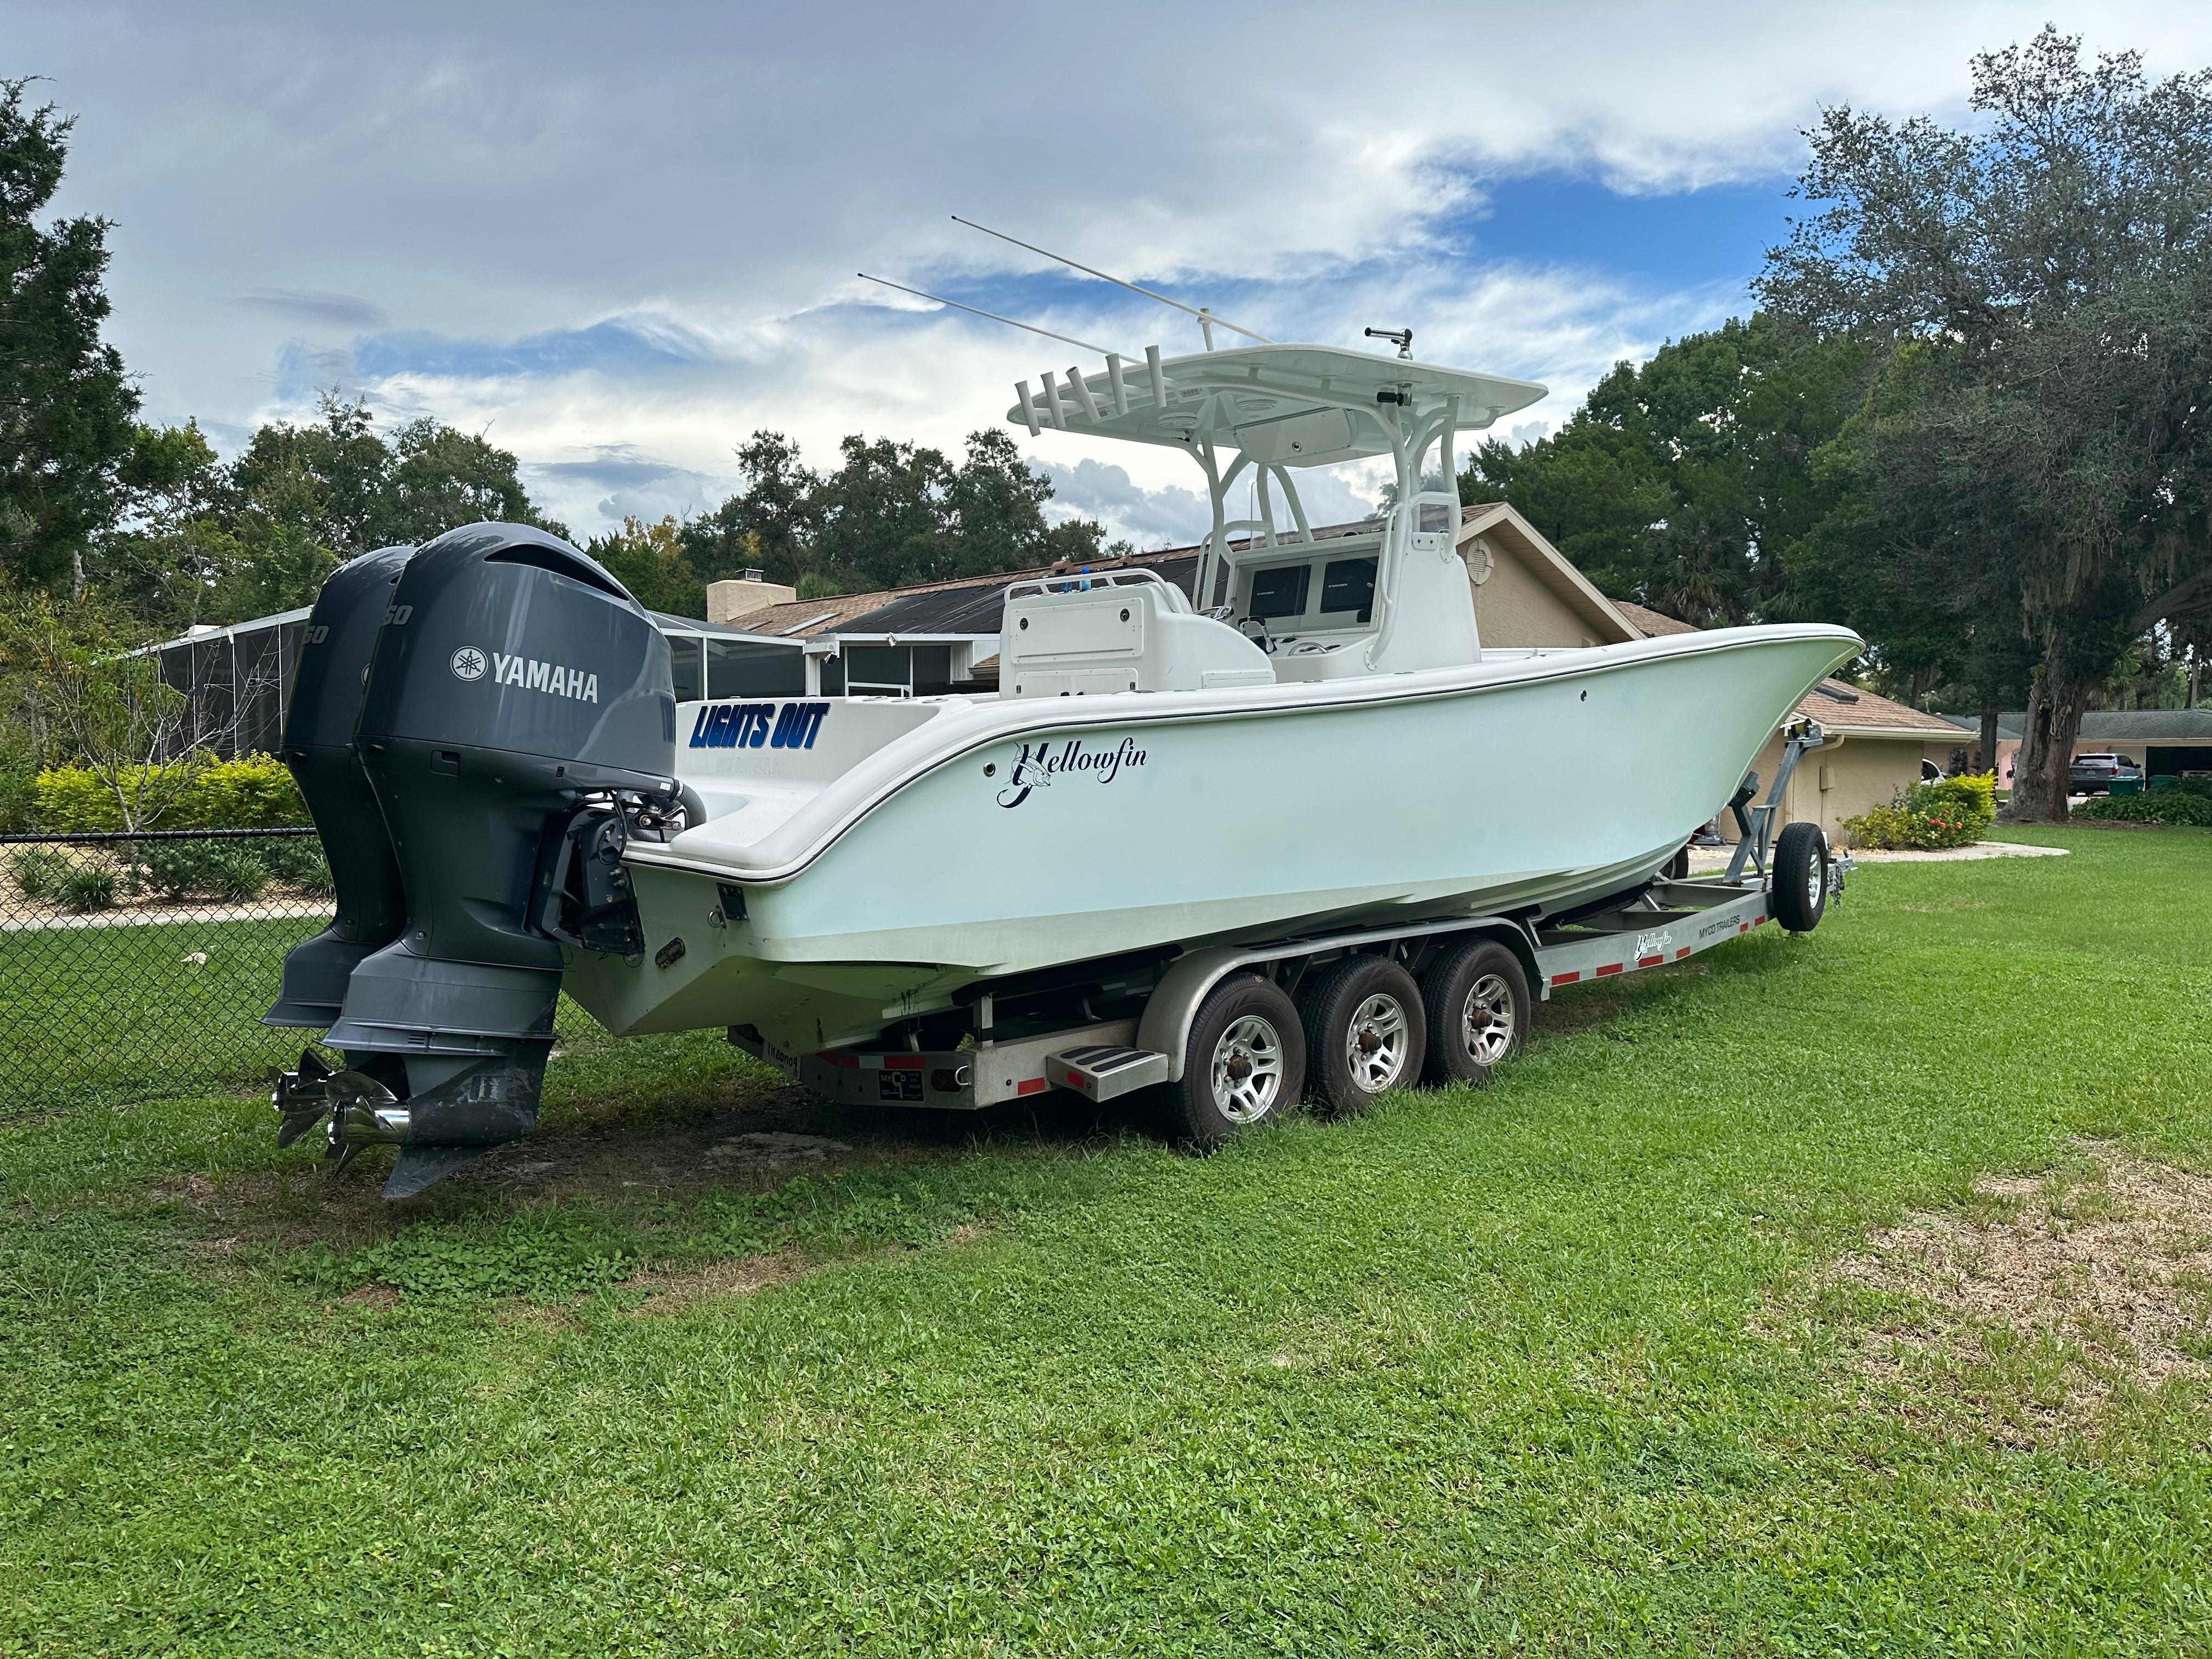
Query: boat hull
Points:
[1113, 825]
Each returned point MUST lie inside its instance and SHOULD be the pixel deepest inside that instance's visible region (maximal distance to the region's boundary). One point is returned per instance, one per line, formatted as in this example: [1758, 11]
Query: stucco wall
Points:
[1513, 608]
[1857, 773]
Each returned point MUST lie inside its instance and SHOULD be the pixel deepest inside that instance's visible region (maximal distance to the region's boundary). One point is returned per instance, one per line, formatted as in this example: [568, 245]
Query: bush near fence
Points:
[253, 791]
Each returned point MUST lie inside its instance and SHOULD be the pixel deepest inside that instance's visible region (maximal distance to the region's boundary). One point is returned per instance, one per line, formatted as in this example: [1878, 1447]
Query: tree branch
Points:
[2189, 594]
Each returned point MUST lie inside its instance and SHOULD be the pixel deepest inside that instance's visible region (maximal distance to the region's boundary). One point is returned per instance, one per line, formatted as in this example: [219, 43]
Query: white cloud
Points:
[435, 204]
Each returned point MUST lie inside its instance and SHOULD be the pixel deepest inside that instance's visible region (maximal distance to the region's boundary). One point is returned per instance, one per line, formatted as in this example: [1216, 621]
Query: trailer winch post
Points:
[1756, 838]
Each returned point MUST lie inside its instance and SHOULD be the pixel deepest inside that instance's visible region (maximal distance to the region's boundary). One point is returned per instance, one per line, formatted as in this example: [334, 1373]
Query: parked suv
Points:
[2094, 775]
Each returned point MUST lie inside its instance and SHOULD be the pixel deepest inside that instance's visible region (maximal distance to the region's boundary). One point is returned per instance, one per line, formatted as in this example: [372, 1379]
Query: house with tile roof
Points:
[1526, 593]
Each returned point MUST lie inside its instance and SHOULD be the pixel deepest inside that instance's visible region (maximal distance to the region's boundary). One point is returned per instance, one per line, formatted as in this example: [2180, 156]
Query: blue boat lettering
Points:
[1040, 764]
[759, 725]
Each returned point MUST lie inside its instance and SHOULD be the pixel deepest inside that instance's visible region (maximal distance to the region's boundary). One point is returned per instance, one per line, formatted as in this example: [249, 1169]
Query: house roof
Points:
[2174, 725]
[973, 605]
[1651, 622]
[1500, 521]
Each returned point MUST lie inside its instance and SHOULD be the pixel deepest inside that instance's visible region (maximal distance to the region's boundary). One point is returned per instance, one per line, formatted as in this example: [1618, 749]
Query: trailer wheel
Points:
[1800, 877]
[1364, 1033]
[1245, 1061]
[1478, 1011]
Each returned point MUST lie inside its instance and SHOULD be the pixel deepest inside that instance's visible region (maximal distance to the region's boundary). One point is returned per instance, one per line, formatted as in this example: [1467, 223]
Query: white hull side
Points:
[1585, 769]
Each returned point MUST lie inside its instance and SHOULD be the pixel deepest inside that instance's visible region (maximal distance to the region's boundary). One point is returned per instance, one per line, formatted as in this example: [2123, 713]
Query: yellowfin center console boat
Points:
[1296, 832]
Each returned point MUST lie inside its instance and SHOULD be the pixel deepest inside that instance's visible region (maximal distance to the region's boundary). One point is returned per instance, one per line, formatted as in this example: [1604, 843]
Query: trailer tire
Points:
[1244, 1062]
[1800, 877]
[1478, 1011]
[1364, 1033]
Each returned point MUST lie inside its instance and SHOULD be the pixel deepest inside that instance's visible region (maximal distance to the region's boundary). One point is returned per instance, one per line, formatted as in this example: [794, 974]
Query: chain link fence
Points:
[137, 964]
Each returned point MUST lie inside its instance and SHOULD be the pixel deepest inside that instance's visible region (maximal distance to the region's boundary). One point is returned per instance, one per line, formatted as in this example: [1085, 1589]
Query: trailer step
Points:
[1104, 1070]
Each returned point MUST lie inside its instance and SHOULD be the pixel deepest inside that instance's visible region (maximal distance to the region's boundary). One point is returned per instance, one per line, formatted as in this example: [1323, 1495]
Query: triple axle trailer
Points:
[1233, 1034]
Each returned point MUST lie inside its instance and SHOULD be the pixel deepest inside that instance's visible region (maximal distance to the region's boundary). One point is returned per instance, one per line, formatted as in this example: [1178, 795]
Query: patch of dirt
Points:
[372, 1295]
[673, 1292]
[668, 1292]
[746, 1134]
[196, 1190]
[2056, 1290]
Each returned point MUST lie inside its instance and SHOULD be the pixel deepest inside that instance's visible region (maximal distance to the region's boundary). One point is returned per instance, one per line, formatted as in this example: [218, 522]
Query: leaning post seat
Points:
[1116, 631]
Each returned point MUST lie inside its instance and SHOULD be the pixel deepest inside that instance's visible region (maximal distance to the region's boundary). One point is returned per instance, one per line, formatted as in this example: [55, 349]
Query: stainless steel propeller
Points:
[364, 1113]
[301, 1098]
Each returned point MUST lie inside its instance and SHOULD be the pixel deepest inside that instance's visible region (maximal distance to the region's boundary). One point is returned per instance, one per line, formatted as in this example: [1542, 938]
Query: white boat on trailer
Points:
[1296, 832]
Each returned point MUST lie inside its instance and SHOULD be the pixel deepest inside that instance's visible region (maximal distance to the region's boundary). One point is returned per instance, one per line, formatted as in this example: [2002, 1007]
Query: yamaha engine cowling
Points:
[519, 700]
[317, 746]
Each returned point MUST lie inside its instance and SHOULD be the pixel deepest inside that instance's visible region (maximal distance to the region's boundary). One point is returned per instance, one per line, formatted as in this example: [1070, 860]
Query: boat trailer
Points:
[1790, 878]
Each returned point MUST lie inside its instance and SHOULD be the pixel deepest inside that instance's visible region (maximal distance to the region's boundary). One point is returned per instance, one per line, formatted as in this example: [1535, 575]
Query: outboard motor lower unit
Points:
[518, 705]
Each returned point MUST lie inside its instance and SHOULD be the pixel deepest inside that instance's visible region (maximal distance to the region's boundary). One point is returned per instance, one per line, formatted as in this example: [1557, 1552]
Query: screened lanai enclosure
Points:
[238, 680]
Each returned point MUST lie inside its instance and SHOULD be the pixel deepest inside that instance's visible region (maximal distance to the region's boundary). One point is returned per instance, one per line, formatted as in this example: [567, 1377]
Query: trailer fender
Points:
[1164, 1027]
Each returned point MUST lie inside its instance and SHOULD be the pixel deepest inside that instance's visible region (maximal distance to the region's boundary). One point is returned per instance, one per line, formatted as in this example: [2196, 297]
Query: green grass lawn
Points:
[121, 1011]
[1563, 1366]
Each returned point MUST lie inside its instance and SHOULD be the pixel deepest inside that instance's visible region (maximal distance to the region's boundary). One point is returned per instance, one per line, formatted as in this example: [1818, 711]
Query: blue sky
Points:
[616, 241]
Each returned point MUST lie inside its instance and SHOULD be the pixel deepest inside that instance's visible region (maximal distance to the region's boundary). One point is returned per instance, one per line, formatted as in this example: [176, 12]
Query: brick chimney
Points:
[728, 601]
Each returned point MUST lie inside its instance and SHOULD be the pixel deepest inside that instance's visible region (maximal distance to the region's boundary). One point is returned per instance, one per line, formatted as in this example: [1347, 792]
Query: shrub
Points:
[297, 861]
[87, 887]
[74, 797]
[2159, 806]
[254, 791]
[1928, 817]
[38, 871]
[221, 869]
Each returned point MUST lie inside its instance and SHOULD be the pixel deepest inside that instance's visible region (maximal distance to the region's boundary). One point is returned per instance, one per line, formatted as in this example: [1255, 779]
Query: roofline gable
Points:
[1549, 565]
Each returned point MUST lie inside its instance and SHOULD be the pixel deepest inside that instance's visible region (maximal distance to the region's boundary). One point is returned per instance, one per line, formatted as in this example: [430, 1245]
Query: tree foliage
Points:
[890, 514]
[66, 409]
[650, 560]
[1686, 483]
[2043, 442]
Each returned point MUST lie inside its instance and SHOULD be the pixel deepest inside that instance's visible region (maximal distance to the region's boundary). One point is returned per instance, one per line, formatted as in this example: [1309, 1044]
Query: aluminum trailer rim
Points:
[1486, 1022]
[1375, 1044]
[1247, 1070]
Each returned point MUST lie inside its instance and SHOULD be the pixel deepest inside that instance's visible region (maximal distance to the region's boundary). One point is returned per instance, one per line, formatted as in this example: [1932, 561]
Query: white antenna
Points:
[1206, 319]
[1064, 339]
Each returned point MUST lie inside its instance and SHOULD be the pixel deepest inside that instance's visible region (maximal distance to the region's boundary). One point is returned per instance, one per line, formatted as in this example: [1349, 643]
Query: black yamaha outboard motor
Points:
[317, 747]
[519, 712]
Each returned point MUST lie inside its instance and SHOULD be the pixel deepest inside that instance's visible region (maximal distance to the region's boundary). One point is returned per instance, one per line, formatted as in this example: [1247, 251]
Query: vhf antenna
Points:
[1206, 320]
[1065, 339]
[1400, 337]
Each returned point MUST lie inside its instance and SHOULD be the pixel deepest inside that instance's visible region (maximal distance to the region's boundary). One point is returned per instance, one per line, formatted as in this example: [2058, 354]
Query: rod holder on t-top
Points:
[1400, 337]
